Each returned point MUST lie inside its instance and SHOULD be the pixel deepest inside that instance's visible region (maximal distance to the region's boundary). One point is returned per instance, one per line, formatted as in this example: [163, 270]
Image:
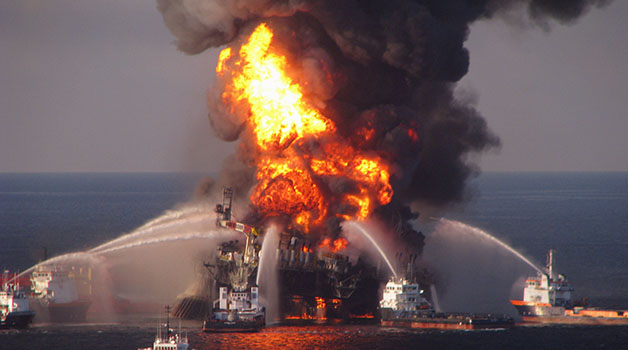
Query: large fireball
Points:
[292, 180]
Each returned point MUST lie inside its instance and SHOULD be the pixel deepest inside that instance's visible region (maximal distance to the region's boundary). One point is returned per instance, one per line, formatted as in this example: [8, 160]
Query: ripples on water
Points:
[94, 337]
[583, 216]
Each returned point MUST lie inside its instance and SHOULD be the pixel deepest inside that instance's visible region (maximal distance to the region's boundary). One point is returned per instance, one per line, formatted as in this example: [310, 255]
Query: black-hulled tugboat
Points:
[547, 299]
[15, 309]
[403, 305]
[237, 311]
[237, 308]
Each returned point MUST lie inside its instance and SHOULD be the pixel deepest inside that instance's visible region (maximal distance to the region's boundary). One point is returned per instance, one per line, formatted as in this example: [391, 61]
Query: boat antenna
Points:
[550, 264]
[168, 321]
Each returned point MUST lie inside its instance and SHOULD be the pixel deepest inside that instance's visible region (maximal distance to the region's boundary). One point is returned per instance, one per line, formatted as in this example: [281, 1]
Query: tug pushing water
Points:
[547, 299]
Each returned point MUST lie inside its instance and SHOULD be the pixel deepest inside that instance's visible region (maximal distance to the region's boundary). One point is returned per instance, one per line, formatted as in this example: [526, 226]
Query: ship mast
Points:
[168, 322]
[550, 264]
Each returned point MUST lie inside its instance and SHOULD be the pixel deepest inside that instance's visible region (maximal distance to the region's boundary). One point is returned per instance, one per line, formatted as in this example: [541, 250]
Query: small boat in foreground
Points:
[168, 339]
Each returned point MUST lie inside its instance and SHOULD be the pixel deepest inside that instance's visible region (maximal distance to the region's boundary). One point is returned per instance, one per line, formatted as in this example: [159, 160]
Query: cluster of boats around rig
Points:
[53, 294]
[321, 286]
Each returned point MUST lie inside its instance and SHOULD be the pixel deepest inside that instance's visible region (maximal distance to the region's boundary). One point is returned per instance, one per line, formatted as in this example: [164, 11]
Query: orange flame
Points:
[279, 115]
[320, 302]
[280, 118]
[335, 245]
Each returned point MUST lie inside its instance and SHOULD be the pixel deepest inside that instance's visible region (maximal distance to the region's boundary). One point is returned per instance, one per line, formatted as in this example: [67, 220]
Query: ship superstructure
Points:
[61, 295]
[237, 307]
[403, 305]
[167, 339]
[15, 311]
[403, 296]
[547, 298]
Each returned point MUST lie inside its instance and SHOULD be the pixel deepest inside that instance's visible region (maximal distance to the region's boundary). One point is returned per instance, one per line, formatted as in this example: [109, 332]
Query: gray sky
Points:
[99, 86]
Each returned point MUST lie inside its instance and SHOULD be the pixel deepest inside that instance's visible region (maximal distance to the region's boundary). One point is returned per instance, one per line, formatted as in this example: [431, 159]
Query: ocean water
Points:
[71, 212]
[583, 216]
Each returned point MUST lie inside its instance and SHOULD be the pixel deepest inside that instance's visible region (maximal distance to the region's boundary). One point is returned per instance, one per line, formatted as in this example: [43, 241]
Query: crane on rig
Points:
[224, 217]
[238, 307]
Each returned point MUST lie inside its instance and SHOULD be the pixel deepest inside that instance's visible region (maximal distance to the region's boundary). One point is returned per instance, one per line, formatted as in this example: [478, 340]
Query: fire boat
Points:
[547, 299]
[61, 295]
[237, 308]
[403, 305]
[15, 310]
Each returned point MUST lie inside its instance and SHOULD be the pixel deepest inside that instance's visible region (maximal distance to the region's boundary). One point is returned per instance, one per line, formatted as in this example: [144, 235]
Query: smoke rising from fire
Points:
[381, 72]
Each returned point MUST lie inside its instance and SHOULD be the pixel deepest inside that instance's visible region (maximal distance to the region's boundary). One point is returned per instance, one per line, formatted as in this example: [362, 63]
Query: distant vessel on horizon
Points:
[547, 299]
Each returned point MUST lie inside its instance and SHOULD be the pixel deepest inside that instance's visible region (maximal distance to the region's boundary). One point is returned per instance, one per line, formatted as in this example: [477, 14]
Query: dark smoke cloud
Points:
[387, 65]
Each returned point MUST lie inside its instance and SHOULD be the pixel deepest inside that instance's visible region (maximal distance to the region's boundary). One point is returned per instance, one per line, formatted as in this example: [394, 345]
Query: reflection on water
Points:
[306, 337]
[141, 333]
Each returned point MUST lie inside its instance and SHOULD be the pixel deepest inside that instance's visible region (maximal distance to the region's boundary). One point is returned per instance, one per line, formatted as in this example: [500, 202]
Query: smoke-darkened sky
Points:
[99, 86]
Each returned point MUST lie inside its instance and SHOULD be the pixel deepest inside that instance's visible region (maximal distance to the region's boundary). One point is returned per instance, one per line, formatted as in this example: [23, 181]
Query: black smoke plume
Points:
[386, 65]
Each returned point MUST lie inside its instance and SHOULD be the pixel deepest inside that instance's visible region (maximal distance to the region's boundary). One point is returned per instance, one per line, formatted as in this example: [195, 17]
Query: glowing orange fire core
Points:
[280, 119]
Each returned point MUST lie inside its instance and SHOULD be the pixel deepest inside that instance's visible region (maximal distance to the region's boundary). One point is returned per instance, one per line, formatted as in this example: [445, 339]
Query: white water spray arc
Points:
[370, 238]
[478, 232]
[268, 274]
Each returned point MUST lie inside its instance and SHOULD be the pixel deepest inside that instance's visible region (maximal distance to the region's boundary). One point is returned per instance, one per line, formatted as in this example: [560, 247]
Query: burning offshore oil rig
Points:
[306, 173]
[315, 281]
[344, 111]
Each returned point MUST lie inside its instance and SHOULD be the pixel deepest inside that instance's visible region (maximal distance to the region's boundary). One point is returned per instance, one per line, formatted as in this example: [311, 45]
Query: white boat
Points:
[403, 305]
[57, 296]
[167, 339]
[547, 298]
[15, 309]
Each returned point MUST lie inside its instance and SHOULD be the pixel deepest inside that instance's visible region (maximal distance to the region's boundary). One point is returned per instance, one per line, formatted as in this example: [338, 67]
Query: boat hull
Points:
[547, 314]
[217, 326]
[18, 320]
[72, 312]
[445, 320]
[69, 312]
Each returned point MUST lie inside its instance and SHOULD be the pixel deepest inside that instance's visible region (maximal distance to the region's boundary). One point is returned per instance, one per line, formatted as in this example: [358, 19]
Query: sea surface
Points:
[583, 216]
